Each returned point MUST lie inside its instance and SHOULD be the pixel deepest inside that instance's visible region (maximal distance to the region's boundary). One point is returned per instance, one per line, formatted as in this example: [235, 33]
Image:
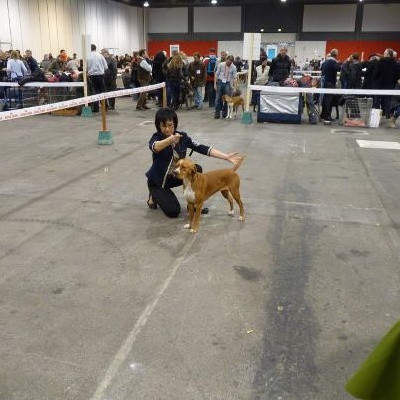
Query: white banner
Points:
[251, 46]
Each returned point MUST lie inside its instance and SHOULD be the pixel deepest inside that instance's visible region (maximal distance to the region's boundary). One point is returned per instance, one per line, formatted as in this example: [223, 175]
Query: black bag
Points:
[313, 115]
[37, 76]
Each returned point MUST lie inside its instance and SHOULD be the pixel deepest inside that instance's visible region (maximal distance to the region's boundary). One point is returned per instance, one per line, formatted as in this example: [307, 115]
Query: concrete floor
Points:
[102, 298]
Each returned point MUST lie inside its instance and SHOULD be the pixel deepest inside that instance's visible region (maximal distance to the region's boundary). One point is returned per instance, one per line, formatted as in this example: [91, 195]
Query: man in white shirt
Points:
[96, 66]
[225, 79]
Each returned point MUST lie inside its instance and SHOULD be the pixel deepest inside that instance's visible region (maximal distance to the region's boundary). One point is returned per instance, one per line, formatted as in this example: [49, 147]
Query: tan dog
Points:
[233, 104]
[198, 187]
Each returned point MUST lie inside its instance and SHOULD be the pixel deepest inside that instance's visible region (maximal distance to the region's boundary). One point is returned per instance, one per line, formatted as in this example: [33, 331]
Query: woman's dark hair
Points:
[165, 114]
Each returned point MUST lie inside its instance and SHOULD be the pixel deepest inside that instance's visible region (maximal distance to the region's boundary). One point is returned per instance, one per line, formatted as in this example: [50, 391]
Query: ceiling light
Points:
[214, 2]
[283, 1]
[146, 4]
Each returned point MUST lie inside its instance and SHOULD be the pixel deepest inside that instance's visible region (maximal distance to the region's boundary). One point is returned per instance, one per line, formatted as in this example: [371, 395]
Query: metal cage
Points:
[356, 111]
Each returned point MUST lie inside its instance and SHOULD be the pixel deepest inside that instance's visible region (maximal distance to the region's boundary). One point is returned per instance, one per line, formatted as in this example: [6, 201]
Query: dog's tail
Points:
[235, 167]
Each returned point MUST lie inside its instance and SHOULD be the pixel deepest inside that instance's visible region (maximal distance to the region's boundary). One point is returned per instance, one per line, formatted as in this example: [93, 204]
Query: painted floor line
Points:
[127, 346]
[378, 144]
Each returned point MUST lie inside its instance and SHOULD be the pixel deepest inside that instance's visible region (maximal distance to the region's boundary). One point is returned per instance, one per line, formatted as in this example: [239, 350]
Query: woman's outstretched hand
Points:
[234, 158]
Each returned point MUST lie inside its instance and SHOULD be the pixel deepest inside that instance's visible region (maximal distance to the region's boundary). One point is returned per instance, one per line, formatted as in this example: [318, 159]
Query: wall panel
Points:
[15, 25]
[365, 47]
[68, 38]
[4, 24]
[188, 47]
[168, 20]
[44, 28]
[273, 16]
[76, 31]
[51, 25]
[381, 18]
[35, 38]
[329, 18]
[53, 28]
[82, 21]
[60, 25]
[222, 19]
[90, 18]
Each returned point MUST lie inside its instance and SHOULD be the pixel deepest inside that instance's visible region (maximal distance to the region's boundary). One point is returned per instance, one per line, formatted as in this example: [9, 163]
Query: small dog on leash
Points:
[198, 187]
[186, 95]
[233, 102]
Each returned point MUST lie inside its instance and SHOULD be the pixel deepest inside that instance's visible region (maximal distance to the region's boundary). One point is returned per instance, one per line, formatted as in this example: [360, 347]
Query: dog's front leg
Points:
[190, 207]
[230, 112]
[196, 218]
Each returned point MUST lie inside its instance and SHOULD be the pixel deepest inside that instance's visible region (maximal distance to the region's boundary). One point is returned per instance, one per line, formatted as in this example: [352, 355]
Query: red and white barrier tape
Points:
[27, 112]
[348, 92]
[42, 84]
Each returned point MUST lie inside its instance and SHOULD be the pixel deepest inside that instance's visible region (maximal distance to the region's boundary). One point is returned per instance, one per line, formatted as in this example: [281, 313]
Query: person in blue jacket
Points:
[169, 145]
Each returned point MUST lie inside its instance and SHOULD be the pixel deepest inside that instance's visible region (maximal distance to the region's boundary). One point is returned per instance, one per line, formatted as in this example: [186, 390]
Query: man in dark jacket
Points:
[394, 108]
[110, 77]
[385, 77]
[280, 66]
[143, 77]
[355, 72]
[369, 66]
[197, 76]
[32, 63]
[158, 74]
[329, 70]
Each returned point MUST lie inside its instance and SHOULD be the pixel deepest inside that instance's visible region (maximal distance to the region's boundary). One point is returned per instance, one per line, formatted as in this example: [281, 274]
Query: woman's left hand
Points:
[234, 158]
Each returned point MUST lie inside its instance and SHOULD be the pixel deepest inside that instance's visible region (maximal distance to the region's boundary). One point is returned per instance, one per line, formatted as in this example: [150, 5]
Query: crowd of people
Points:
[377, 72]
[209, 76]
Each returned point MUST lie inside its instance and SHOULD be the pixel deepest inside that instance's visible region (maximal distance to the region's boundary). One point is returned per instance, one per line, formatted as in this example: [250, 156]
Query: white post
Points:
[86, 110]
[248, 93]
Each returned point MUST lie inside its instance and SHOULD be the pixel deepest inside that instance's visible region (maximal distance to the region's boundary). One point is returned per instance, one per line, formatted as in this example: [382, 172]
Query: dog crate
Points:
[280, 107]
[356, 111]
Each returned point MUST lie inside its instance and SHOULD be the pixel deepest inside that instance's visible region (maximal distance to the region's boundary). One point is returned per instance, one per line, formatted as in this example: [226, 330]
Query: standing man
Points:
[280, 66]
[225, 78]
[32, 63]
[197, 77]
[143, 77]
[330, 68]
[385, 77]
[96, 67]
[210, 63]
[76, 61]
[110, 77]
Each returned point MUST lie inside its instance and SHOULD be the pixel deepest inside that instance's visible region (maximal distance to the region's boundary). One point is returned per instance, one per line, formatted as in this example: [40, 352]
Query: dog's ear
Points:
[194, 170]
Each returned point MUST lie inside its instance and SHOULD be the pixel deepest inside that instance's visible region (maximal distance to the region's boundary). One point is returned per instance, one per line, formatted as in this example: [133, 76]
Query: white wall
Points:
[45, 26]
[309, 50]
[233, 47]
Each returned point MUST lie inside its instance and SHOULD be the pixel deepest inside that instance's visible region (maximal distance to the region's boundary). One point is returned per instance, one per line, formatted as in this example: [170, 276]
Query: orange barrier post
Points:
[164, 96]
[105, 136]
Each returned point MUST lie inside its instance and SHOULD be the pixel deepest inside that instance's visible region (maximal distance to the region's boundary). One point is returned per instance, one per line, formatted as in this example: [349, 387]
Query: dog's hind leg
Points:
[228, 196]
[236, 195]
